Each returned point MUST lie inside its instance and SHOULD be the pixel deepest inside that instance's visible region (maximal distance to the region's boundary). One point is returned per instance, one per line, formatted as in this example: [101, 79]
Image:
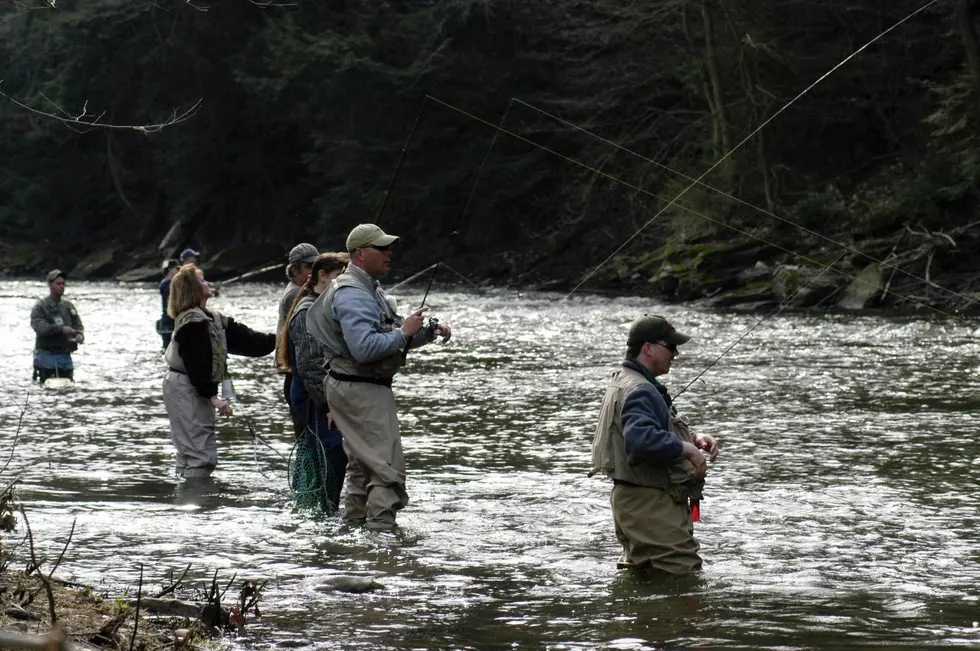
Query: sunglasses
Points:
[386, 247]
[671, 347]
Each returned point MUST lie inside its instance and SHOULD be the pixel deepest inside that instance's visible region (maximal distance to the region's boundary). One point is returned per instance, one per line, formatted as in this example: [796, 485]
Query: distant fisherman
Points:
[656, 465]
[301, 259]
[59, 330]
[366, 342]
[165, 324]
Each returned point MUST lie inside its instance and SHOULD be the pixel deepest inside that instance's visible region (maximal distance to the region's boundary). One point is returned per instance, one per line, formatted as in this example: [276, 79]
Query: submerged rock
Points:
[355, 584]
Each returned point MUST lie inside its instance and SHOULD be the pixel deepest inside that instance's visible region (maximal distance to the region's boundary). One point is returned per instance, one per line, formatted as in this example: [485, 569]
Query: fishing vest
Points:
[327, 330]
[216, 332]
[609, 445]
[59, 313]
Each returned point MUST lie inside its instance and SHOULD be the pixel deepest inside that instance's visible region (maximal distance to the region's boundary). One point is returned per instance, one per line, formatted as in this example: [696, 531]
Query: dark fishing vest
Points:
[59, 313]
[327, 330]
[216, 332]
[609, 445]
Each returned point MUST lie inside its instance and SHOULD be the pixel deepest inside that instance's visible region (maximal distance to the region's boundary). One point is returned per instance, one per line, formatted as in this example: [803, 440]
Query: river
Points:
[841, 513]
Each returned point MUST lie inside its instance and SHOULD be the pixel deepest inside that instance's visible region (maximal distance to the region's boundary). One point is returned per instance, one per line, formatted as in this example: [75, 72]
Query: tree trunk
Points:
[969, 31]
[718, 113]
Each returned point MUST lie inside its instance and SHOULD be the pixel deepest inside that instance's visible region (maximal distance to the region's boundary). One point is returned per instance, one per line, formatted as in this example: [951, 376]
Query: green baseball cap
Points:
[368, 235]
[651, 328]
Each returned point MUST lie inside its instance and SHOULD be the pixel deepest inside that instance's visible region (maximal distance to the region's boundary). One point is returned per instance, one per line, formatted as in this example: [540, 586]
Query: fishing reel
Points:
[430, 328]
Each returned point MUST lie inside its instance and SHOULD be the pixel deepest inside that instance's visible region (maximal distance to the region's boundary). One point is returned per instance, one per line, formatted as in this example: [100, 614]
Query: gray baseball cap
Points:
[368, 235]
[54, 274]
[303, 253]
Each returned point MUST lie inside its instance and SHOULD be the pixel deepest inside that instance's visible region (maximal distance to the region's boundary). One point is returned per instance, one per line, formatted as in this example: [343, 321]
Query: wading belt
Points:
[360, 378]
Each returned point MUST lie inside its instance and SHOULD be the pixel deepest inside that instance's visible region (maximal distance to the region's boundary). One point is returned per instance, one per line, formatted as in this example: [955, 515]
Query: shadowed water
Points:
[842, 511]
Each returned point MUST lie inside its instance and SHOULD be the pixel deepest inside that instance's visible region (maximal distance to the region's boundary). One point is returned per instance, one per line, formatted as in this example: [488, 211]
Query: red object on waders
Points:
[695, 510]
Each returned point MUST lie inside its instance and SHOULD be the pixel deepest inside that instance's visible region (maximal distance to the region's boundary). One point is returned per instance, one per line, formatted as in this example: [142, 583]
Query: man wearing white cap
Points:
[366, 342]
[301, 259]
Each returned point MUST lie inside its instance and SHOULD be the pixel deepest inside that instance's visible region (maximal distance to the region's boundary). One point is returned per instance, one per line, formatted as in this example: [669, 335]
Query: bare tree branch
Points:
[83, 119]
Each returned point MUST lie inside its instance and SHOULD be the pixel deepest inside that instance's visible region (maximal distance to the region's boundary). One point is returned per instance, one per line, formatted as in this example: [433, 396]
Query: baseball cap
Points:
[650, 328]
[167, 264]
[55, 273]
[304, 252]
[187, 253]
[368, 235]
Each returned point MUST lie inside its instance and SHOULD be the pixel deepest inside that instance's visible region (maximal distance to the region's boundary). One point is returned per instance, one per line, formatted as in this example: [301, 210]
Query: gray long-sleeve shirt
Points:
[357, 313]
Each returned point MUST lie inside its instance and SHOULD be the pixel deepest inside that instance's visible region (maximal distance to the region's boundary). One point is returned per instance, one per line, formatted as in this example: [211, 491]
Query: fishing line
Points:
[779, 308]
[694, 212]
[469, 200]
[401, 158]
[255, 437]
[743, 202]
[751, 135]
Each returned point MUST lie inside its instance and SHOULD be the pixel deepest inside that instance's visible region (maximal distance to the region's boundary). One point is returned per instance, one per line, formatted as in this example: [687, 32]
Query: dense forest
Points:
[553, 131]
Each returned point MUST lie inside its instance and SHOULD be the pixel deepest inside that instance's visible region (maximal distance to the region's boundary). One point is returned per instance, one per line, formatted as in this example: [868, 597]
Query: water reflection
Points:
[841, 512]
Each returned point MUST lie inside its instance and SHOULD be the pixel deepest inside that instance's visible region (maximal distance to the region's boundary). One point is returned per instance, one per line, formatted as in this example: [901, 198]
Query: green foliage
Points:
[306, 108]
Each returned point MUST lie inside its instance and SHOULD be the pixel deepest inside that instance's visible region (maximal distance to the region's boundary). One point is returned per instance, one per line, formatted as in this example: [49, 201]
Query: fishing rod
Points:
[779, 308]
[453, 232]
[401, 158]
[760, 209]
[752, 135]
[692, 211]
[249, 274]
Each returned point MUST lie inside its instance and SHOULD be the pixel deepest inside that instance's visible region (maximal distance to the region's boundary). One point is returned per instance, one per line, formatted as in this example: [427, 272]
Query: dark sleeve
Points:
[309, 358]
[242, 340]
[195, 349]
[76, 321]
[39, 321]
[644, 416]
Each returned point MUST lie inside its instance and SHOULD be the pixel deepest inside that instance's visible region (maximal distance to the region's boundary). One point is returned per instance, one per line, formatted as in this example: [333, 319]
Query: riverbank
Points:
[909, 270]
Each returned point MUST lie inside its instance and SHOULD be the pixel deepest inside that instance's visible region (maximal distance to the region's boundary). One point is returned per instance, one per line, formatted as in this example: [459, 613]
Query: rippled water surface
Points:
[841, 513]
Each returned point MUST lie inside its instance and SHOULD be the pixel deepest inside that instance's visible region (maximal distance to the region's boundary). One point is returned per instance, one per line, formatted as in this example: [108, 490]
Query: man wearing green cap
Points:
[59, 330]
[365, 341]
[656, 465]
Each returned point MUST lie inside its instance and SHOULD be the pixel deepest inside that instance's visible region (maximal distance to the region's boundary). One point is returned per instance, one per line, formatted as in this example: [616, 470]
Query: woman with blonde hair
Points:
[320, 448]
[197, 355]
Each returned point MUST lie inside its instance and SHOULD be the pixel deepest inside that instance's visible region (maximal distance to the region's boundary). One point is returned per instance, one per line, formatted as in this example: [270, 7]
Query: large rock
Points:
[804, 286]
[865, 286]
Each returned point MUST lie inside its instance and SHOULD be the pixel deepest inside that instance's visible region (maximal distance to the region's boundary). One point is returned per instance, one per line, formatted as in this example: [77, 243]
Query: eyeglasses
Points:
[386, 247]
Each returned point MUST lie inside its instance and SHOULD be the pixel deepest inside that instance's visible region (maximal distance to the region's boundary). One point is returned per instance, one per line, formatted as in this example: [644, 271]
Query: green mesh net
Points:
[314, 482]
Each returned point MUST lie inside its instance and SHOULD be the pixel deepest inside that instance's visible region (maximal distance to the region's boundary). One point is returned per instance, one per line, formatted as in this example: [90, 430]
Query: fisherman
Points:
[301, 259]
[656, 465]
[189, 256]
[165, 324]
[366, 344]
[59, 330]
[306, 357]
[198, 361]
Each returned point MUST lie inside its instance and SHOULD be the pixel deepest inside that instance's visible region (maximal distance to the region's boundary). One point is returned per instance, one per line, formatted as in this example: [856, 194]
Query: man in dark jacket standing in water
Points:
[366, 342]
[656, 465]
[59, 330]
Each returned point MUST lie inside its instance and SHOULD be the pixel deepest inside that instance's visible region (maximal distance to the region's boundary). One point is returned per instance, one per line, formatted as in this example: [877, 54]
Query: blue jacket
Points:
[645, 417]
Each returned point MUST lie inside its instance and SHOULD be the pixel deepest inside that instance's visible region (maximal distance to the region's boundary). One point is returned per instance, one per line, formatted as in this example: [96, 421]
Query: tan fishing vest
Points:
[217, 334]
[327, 330]
[609, 445]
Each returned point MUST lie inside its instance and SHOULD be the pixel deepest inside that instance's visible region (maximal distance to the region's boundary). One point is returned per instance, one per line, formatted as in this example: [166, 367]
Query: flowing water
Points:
[841, 513]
